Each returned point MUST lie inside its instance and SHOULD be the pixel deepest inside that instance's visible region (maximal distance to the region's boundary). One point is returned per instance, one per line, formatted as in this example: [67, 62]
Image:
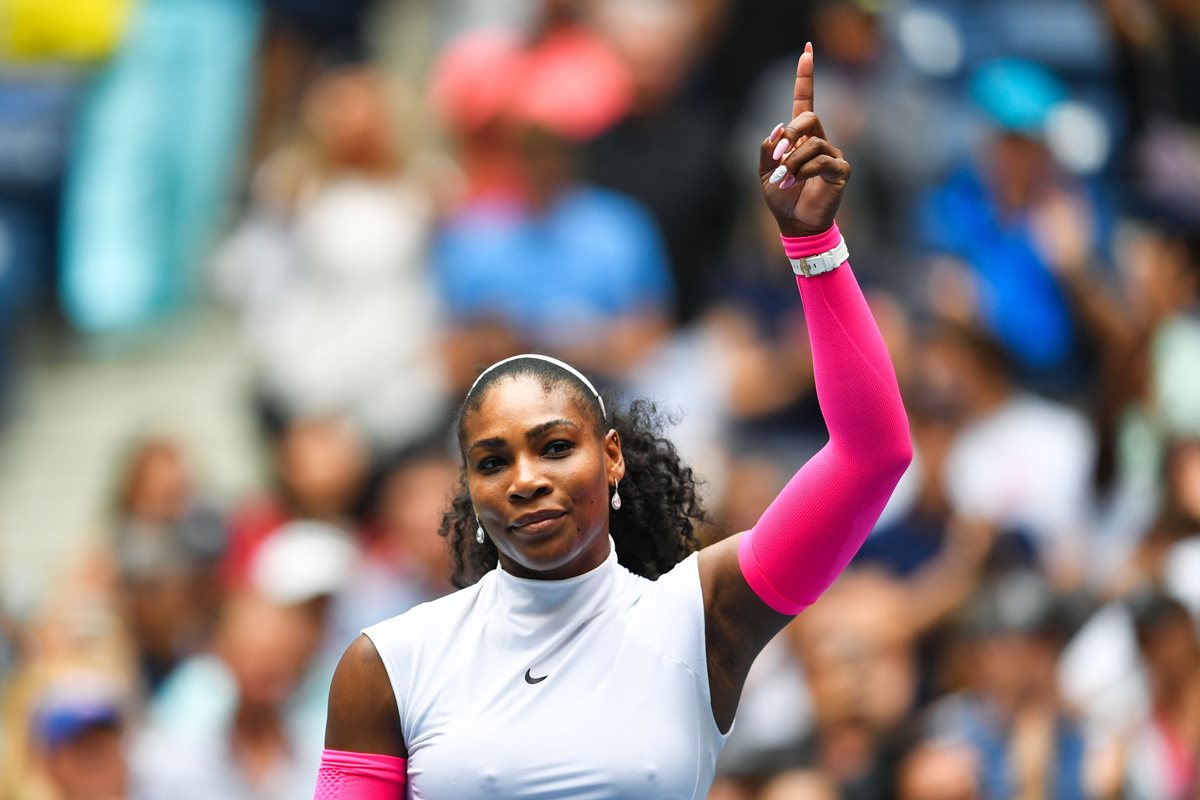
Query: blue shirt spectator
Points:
[1019, 299]
[591, 256]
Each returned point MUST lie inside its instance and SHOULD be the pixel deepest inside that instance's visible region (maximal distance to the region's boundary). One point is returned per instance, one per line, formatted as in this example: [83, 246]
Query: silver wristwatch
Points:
[821, 262]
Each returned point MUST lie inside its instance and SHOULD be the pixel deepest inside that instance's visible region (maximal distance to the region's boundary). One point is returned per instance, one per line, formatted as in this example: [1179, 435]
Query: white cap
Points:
[303, 560]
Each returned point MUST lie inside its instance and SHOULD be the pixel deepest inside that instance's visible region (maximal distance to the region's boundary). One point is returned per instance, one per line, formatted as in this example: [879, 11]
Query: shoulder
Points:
[669, 613]
[363, 716]
[367, 698]
[426, 628]
[681, 581]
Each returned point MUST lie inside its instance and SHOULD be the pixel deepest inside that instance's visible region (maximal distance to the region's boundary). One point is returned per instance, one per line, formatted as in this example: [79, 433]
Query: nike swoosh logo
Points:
[530, 679]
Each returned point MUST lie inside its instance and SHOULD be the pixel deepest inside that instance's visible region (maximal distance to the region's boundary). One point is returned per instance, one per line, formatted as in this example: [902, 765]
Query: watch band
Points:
[816, 264]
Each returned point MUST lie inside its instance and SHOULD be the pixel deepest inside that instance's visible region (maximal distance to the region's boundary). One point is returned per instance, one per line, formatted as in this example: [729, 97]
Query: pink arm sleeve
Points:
[809, 533]
[360, 776]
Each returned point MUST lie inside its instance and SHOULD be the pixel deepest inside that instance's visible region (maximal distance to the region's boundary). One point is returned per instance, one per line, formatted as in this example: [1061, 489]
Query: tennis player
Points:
[593, 654]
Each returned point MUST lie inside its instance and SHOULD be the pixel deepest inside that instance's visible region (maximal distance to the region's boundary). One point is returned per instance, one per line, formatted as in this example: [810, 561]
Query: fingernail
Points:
[788, 182]
[775, 132]
[781, 148]
[778, 174]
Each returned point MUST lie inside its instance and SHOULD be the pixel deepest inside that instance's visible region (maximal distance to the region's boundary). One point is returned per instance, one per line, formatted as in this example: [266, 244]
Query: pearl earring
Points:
[479, 533]
[616, 498]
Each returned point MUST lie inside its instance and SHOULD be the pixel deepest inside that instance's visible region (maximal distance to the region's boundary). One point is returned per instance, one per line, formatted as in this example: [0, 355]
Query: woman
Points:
[586, 669]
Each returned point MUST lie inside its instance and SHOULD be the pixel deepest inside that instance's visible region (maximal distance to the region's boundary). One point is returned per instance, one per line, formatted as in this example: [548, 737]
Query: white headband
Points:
[550, 360]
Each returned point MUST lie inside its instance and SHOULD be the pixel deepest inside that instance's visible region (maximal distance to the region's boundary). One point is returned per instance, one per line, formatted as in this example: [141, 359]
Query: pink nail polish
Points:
[788, 182]
[775, 132]
[781, 148]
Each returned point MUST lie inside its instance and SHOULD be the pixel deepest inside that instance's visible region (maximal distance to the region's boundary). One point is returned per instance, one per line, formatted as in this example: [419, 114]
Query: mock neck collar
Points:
[531, 603]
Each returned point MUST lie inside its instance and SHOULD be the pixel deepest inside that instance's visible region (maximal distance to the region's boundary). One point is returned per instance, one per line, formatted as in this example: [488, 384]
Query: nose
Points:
[528, 481]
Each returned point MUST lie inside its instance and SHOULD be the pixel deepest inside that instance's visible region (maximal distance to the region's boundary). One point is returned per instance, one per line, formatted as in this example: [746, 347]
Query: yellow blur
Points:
[70, 30]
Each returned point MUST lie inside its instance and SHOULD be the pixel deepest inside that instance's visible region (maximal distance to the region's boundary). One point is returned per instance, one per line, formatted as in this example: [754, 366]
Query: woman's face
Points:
[539, 477]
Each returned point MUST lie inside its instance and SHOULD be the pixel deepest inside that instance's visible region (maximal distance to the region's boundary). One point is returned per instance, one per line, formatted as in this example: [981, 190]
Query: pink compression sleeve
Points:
[809, 533]
[360, 776]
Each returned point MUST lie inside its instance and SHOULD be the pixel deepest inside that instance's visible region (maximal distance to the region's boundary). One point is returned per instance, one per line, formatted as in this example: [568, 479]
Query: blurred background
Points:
[253, 252]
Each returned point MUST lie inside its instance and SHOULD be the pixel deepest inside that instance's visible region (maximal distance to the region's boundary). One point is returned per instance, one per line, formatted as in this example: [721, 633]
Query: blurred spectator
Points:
[297, 34]
[863, 100]
[1025, 741]
[985, 217]
[559, 74]
[168, 542]
[72, 746]
[154, 150]
[251, 715]
[330, 265]
[251, 753]
[1157, 44]
[575, 270]
[405, 561]
[656, 153]
[535, 258]
[321, 468]
[1164, 754]
[78, 728]
[862, 674]
[1153, 390]
[1018, 461]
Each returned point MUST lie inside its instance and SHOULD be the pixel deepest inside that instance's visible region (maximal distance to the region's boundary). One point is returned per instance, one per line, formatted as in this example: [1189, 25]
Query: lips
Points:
[536, 521]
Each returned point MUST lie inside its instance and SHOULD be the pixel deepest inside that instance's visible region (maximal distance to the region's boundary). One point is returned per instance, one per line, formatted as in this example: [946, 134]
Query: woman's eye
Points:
[558, 448]
[489, 463]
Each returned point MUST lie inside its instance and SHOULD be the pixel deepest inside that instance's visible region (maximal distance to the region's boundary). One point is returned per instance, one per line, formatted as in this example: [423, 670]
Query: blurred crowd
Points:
[391, 194]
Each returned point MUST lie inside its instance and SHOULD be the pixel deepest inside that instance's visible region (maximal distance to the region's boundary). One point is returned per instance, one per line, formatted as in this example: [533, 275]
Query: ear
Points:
[614, 459]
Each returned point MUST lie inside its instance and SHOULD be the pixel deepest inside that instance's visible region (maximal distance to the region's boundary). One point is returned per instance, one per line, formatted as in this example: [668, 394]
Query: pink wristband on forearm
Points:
[803, 246]
[809, 533]
[360, 776]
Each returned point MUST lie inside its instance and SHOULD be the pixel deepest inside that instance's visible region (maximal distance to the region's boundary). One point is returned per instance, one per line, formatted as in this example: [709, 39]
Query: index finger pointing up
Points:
[802, 97]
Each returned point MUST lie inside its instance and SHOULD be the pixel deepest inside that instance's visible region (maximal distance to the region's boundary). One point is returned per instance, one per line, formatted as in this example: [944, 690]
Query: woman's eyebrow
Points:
[538, 430]
[495, 441]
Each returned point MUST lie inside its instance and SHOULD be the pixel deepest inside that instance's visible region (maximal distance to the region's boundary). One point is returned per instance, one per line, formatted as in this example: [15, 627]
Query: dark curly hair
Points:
[653, 531]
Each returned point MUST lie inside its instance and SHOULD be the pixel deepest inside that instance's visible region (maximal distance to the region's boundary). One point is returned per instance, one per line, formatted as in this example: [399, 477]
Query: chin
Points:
[548, 553]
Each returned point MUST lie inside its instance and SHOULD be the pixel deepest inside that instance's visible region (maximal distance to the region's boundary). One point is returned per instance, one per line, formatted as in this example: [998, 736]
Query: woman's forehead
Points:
[525, 400]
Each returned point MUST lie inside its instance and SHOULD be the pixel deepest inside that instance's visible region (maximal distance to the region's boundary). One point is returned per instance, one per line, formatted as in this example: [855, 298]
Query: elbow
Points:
[879, 448]
[900, 456]
[893, 451]
[881, 457]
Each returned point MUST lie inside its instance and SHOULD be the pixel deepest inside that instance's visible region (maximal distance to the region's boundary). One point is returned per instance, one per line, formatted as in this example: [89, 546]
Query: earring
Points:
[479, 533]
[616, 498]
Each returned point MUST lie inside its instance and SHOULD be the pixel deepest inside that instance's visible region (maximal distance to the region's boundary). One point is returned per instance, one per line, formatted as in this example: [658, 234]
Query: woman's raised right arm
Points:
[365, 754]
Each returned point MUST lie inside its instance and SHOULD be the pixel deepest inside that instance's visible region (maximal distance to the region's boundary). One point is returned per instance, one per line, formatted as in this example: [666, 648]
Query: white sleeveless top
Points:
[590, 688]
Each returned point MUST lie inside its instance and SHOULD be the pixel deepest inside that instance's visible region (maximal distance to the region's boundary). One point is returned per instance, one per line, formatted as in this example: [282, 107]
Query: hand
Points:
[805, 197]
[1063, 230]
